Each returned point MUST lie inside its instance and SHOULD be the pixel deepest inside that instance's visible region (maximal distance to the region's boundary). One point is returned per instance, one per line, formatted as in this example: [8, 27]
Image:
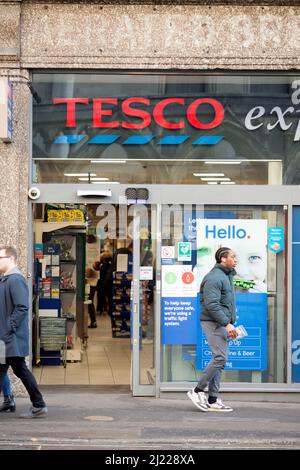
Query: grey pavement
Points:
[110, 418]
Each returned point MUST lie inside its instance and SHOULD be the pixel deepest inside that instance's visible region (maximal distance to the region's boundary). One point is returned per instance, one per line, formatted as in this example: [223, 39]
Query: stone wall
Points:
[9, 33]
[14, 160]
[14, 167]
[160, 36]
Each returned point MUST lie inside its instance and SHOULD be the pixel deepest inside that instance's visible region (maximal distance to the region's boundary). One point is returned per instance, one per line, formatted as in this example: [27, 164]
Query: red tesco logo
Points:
[103, 109]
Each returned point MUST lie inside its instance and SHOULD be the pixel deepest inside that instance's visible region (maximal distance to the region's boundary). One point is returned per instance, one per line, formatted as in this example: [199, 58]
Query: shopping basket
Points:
[53, 337]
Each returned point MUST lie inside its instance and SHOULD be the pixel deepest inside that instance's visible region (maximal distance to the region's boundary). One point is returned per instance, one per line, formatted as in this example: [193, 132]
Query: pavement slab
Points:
[107, 420]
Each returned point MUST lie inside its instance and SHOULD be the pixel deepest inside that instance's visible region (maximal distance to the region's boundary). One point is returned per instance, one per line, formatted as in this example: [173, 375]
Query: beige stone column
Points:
[14, 156]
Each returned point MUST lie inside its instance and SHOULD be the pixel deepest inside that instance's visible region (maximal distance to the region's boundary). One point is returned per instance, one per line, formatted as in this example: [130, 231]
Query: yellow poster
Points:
[73, 216]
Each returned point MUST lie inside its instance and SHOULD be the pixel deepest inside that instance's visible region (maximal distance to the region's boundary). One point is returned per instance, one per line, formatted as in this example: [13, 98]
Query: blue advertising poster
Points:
[250, 352]
[179, 305]
[248, 239]
[276, 239]
[38, 250]
[179, 320]
[296, 298]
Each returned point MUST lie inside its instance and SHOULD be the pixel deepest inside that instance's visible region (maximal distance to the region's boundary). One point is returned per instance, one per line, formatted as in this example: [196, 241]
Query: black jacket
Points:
[217, 297]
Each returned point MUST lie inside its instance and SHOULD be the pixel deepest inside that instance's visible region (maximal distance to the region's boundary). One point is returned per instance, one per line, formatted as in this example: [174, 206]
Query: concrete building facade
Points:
[142, 37]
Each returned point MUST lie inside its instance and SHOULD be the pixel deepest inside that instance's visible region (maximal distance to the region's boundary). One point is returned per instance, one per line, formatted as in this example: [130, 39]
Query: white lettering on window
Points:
[296, 95]
[260, 111]
[296, 353]
[280, 120]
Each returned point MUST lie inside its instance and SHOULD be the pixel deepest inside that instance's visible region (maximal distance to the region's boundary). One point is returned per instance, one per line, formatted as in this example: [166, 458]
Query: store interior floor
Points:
[105, 361]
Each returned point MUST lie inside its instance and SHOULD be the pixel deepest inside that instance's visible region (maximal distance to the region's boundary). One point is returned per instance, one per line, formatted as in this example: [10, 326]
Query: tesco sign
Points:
[139, 107]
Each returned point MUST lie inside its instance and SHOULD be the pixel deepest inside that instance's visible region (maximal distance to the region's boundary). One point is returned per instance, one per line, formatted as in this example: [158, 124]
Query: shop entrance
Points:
[94, 295]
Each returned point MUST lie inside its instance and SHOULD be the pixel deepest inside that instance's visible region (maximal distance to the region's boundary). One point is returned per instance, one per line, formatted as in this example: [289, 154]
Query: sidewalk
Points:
[113, 419]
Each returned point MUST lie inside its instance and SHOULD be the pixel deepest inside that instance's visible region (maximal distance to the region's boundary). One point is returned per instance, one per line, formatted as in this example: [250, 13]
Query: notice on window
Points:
[122, 262]
[146, 273]
[276, 239]
[179, 305]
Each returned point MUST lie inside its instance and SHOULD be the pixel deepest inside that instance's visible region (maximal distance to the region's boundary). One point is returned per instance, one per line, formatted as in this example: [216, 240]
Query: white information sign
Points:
[168, 252]
[146, 273]
[178, 281]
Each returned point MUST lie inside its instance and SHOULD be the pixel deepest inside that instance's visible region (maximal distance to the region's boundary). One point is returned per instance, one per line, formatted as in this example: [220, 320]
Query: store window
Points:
[165, 129]
[190, 237]
[295, 349]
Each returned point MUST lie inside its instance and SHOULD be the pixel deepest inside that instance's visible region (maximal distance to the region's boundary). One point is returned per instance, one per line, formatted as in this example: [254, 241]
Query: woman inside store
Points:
[91, 280]
[105, 282]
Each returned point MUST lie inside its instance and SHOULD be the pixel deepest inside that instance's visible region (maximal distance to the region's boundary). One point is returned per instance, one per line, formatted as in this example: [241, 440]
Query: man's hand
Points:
[232, 333]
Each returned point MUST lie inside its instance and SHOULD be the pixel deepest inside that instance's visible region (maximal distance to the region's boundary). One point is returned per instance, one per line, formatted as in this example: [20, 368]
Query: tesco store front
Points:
[174, 166]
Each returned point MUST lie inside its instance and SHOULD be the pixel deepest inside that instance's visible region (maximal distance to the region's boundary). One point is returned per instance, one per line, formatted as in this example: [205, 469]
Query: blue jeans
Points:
[217, 339]
[21, 370]
[6, 389]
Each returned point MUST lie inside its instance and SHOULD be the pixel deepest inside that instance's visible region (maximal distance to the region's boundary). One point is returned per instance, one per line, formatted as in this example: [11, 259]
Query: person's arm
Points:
[19, 296]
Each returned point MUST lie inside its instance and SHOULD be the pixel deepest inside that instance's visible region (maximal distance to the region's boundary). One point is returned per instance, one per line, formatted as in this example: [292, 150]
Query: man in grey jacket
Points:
[218, 314]
[14, 329]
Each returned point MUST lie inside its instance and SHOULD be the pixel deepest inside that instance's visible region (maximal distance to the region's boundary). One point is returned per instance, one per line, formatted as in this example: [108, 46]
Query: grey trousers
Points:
[217, 339]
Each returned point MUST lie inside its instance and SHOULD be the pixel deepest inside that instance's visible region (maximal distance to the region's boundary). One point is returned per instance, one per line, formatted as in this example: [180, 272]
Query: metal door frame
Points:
[185, 194]
[137, 388]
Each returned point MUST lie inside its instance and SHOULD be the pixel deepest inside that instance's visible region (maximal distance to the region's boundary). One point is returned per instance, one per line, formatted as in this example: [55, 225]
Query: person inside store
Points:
[8, 404]
[14, 331]
[92, 279]
[105, 283]
[218, 314]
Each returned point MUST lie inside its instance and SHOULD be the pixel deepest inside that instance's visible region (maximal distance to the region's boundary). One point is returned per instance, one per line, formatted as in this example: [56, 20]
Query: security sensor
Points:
[34, 193]
[94, 193]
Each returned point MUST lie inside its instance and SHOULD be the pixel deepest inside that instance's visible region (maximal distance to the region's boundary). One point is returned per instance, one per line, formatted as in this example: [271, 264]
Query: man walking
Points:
[14, 331]
[218, 314]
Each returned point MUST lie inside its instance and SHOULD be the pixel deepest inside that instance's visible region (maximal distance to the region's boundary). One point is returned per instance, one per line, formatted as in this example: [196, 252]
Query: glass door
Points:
[190, 236]
[143, 300]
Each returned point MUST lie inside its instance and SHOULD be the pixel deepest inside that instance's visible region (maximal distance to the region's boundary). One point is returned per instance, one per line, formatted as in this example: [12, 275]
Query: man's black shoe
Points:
[8, 404]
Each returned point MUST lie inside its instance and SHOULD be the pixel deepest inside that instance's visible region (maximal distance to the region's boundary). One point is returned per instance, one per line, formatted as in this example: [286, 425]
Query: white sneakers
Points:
[219, 406]
[200, 401]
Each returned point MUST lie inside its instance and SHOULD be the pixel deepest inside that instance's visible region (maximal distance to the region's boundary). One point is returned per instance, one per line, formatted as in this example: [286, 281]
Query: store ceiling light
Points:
[94, 179]
[215, 179]
[108, 161]
[223, 162]
[227, 182]
[212, 182]
[105, 182]
[80, 174]
[208, 174]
